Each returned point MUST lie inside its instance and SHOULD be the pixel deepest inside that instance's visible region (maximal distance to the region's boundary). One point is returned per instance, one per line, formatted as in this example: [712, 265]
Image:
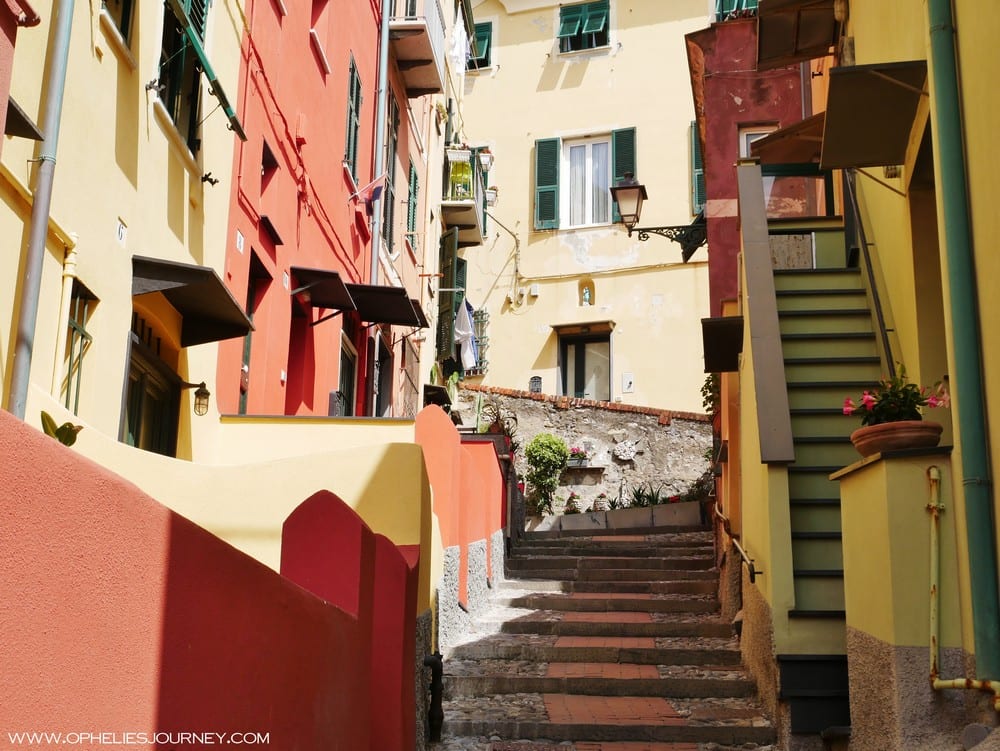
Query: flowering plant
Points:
[896, 399]
[577, 453]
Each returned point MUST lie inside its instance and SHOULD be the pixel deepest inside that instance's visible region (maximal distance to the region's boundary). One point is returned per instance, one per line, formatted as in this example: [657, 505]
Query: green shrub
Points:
[547, 456]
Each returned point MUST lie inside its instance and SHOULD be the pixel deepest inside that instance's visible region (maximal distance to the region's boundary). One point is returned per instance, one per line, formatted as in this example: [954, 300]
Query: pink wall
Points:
[121, 616]
[725, 56]
[467, 484]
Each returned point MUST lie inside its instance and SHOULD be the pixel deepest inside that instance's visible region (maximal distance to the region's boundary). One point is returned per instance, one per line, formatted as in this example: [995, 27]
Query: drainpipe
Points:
[968, 380]
[381, 106]
[935, 507]
[69, 274]
[27, 314]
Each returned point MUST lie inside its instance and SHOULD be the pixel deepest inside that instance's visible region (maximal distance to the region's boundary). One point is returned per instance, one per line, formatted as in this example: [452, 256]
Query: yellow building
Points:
[563, 300]
[873, 602]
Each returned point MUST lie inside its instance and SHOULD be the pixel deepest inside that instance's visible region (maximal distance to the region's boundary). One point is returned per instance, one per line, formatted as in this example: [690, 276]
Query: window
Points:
[480, 57]
[78, 341]
[573, 178]
[586, 366]
[152, 397]
[412, 198]
[389, 196]
[353, 120]
[480, 342]
[698, 196]
[180, 68]
[446, 295]
[348, 377]
[583, 27]
[120, 12]
[726, 9]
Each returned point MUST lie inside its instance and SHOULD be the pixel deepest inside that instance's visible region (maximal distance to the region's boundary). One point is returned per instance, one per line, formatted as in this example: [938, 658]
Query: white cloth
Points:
[464, 336]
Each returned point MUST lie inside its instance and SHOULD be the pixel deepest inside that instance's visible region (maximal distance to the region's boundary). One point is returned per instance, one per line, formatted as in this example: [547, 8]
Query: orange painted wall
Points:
[121, 616]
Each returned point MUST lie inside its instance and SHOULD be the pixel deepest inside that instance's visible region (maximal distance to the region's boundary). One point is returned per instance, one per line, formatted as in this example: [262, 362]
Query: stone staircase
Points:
[603, 643]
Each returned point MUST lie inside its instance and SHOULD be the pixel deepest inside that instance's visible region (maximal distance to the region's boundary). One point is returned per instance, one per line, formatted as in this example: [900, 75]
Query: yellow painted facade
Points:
[532, 280]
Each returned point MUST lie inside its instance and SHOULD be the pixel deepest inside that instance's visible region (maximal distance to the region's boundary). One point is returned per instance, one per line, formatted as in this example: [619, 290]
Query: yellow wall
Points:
[654, 300]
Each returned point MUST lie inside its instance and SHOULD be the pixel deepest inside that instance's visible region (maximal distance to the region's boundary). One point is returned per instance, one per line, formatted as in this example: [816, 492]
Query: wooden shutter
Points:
[622, 160]
[446, 300]
[697, 173]
[461, 275]
[547, 183]
[411, 202]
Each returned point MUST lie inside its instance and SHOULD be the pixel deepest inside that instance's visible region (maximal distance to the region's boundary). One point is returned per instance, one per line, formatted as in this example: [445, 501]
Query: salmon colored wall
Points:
[436, 434]
[121, 616]
[484, 467]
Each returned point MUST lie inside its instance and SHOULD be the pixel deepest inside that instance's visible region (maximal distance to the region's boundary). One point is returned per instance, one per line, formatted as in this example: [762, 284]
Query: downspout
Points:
[65, 301]
[935, 507]
[27, 314]
[381, 106]
[968, 380]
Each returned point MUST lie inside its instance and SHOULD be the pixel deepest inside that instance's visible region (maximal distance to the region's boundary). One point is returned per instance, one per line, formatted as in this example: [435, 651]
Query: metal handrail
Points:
[726, 525]
[870, 271]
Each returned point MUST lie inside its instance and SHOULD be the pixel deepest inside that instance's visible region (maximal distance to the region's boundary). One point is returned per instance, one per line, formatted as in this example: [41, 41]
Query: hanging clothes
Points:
[465, 336]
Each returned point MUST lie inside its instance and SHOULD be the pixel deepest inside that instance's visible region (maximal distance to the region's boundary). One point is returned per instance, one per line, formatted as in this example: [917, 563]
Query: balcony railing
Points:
[464, 201]
[726, 10]
[417, 34]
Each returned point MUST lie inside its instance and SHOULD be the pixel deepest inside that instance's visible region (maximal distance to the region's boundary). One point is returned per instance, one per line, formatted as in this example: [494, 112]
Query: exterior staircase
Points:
[603, 643]
[829, 350]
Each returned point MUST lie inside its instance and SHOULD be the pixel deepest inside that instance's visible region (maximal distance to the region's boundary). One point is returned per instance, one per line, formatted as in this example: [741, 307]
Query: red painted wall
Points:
[288, 101]
[735, 96]
[121, 616]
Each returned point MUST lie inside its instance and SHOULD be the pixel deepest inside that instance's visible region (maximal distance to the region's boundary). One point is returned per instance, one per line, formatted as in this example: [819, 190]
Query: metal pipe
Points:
[746, 559]
[935, 507]
[968, 378]
[27, 314]
[65, 300]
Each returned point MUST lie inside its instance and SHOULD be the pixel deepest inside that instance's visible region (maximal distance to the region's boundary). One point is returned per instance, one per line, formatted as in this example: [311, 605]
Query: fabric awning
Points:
[378, 303]
[790, 31]
[19, 124]
[722, 341]
[209, 310]
[870, 112]
[322, 288]
[419, 312]
[800, 143]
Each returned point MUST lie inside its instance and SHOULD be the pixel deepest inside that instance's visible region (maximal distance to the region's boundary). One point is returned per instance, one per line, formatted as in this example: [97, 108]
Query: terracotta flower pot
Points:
[902, 434]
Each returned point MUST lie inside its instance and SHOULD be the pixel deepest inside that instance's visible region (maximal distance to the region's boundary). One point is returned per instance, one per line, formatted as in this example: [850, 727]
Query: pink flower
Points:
[867, 400]
[932, 401]
[849, 406]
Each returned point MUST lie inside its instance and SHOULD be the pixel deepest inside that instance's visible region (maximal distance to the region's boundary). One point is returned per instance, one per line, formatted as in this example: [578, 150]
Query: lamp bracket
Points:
[689, 236]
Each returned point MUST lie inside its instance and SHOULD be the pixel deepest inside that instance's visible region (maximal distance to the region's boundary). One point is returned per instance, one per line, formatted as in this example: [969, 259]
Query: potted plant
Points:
[546, 456]
[577, 457]
[891, 416]
[485, 158]
[491, 195]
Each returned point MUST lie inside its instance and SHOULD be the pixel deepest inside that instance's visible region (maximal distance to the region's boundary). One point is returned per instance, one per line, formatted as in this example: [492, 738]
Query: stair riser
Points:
[610, 576]
[819, 279]
[825, 323]
[831, 300]
[814, 553]
[534, 550]
[688, 688]
[832, 423]
[833, 371]
[825, 454]
[604, 564]
[819, 593]
[635, 656]
[737, 735]
[824, 396]
[807, 518]
[839, 347]
[562, 628]
[812, 485]
[615, 606]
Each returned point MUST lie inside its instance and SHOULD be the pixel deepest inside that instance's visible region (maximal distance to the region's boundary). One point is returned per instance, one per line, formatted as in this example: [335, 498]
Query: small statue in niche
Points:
[586, 296]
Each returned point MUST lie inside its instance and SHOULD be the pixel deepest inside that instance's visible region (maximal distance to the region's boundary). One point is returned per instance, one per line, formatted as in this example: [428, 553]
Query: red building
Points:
[332, 307]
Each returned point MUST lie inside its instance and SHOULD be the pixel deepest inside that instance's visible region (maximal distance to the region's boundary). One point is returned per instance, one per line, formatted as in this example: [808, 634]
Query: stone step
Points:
[548, 534]
[603, 602]
[607, 562]
[465, 678]
[693, 586]
[486, 744]
[608, 649]
[559, 717]
[562, 623]
[606, 550]
[615, 575]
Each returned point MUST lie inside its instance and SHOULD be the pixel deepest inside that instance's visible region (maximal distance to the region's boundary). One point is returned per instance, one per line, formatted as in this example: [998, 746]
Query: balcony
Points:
[464, 202]
[417, 36]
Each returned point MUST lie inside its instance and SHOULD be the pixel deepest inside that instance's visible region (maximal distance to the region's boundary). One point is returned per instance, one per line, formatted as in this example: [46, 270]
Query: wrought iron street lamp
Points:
[628, 195]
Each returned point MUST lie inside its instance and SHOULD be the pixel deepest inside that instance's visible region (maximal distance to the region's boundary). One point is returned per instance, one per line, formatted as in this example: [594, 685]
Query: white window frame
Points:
[566, 182]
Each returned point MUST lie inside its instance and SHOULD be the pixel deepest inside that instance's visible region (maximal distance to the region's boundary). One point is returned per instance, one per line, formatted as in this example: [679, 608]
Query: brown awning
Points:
[790, 31]
[419, 311]
[722, 340]
[384, 304]
[322, 288]
[796, 144]
[870, 112]
[19, 124]
[209, 310]
[583, 328]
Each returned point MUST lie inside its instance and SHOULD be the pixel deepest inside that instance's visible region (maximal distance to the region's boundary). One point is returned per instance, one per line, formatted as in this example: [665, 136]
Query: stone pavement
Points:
[605, 643]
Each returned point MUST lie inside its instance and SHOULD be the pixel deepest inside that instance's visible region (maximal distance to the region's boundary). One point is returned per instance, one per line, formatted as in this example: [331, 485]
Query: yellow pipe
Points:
[935, 507]
[69, 274]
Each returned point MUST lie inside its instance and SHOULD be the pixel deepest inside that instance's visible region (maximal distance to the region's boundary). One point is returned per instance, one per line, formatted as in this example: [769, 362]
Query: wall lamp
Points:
[628, 195]
[201, 397]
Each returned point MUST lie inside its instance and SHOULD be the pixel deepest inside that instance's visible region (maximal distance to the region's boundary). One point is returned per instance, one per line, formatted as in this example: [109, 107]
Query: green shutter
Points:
[595, 17]
[547, 183]
[697, 173]
[461, 274]
[569, 21]
[622, 159]
[481, 53]
[446, 300]
[353, 119]
[411, 201]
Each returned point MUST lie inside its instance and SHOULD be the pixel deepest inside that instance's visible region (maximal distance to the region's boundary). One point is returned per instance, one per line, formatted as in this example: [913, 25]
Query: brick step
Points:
[597, 602]
[605, 550]
[692, 586]
[733, 721]
[612, 649]
[554, 623]
[549, 534]
[584, 563]
[598, 679]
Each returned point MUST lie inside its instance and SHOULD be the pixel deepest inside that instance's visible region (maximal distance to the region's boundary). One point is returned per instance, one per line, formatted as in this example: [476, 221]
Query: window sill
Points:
[175, 138]
[115, 39]
[324, 61]
[590, 51]
[484, 69]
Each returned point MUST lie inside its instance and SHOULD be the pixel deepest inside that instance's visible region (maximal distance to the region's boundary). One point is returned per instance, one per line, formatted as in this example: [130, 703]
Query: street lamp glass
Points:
[628, 196]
